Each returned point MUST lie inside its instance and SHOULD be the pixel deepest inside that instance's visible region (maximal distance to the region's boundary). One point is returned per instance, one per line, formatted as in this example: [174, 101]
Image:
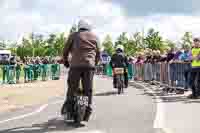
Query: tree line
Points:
[138, 42]
[38, 45]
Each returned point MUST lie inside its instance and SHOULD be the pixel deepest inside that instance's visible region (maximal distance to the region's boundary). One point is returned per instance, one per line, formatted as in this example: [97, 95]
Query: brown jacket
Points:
[84, 49]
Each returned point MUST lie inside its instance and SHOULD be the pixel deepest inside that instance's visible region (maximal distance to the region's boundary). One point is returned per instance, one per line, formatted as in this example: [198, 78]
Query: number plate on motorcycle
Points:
[82, 100]
[118, 70]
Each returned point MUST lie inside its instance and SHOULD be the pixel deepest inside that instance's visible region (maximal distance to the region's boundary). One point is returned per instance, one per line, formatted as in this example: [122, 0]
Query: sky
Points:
[170, 17]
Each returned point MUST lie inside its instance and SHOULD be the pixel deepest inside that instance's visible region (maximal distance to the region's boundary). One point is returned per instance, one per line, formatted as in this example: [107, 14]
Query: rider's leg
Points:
[126, 79]
[114, 81]
[198, 83]
[87, 79]
[73, 85]
[73, 81]
[193, 78]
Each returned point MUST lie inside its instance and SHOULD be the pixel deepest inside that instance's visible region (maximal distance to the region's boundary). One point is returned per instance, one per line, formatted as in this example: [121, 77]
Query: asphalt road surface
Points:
[132, 112]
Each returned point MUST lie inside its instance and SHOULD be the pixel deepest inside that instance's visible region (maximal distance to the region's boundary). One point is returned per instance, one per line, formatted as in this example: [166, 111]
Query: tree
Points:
[2, 44]
[138, 39]
[186, 40]
[27, 47]
[123, 40]
[170, 44]
[59, 44]
[131, 47]
[132, 44]
[135, 43]
[32, 37]
[13, 47]
[50, 51]
[154, 40]
[39, 45]
[51, 39]
[108, 45]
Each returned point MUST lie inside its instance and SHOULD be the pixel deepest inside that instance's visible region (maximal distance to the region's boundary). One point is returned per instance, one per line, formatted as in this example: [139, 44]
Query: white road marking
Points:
[92, 131]
[30, 114]
[159, 120]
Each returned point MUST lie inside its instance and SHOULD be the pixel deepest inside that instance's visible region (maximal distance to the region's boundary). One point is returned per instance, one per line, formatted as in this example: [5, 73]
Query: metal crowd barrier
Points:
[139, 72]
[12, 74]
[172, 74]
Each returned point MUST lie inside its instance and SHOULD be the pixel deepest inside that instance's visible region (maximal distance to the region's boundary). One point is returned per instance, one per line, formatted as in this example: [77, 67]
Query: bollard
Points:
[11, 74]
[105, 69]
[26, 69]
[55, 71]
[18, 71]
[108, 70]
[30, 73]
[44, 68]
[36, 70]
[130, 71]
[5, 73]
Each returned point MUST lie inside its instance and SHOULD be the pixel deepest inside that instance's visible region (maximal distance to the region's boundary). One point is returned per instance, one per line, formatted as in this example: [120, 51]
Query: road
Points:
[132, 112]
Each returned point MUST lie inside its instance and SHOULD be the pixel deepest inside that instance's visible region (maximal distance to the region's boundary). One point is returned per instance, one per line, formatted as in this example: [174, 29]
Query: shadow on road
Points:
[168, 98]
[106, 93]
[136, 86]
[53, 125]
[192, 101]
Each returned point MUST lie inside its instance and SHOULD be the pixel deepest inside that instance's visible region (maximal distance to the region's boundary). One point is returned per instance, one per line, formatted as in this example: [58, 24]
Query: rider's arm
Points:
[67, 49]
[98, 53]
[126, 61]
[112, 61]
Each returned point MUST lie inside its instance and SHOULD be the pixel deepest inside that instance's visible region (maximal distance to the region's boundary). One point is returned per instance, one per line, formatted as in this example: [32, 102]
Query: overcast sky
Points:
[171, 17]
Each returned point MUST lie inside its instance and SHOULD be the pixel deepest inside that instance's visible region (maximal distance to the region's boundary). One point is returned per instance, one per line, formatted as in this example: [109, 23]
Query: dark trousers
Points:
[195, 76]
[104, 69]
[85, 75]
[187, 75]
[126, 79]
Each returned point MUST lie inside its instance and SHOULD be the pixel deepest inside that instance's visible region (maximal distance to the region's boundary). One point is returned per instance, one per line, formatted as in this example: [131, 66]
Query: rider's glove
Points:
[66, 64]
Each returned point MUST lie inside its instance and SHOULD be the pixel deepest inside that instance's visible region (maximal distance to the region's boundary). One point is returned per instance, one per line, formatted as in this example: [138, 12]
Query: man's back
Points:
[119, 60]
[85, 53]
[83, 46]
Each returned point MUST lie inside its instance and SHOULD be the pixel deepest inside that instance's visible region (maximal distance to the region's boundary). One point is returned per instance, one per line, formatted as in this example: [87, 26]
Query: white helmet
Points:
[84, 24]
[121, 47]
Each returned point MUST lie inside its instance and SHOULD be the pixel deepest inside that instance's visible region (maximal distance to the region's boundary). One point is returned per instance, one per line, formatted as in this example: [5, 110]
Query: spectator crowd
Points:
[32, 67]
[183, 63]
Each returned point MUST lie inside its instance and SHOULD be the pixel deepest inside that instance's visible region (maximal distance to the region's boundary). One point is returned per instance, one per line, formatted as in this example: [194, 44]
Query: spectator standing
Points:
[172, 58]
[195, 71]
[170, 55]
[186, 57]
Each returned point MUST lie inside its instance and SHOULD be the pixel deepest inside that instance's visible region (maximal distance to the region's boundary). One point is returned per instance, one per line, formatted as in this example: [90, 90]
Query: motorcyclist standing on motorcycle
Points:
[120, 60]
[83, 47]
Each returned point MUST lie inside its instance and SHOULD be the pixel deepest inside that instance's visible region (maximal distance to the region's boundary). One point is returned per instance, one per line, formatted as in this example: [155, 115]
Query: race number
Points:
[82, 100]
